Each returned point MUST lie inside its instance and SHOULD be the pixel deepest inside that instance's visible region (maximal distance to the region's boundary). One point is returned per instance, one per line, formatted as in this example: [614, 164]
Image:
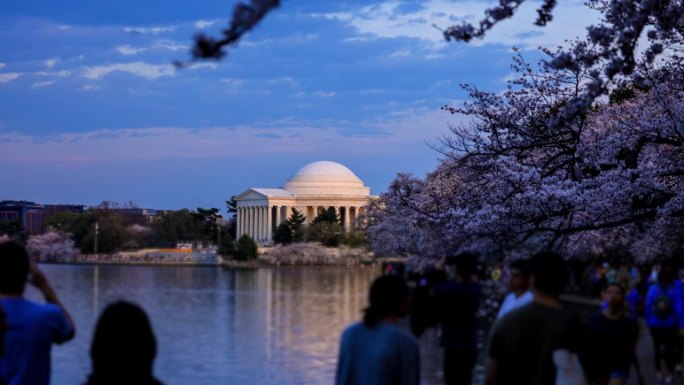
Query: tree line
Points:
[116, 231]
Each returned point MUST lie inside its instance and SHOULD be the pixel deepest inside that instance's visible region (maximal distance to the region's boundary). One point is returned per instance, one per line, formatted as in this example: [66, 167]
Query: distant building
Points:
[315, 186]
[132, 216]
[32, 214]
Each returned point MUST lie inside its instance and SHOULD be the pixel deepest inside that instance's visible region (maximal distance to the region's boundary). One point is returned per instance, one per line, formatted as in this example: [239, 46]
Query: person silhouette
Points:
[374, 351]
[123, 348]
[30, 328]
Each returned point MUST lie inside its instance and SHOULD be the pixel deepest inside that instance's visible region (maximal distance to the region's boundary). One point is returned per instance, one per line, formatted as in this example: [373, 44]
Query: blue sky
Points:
[92, 108]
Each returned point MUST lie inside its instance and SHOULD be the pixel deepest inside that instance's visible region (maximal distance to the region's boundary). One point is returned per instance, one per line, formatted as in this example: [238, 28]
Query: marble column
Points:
[269, 224]
[266, 221]
[238, 222]
[245, 222]
[252, 222]
[257, 222]
[260, 223]
[243, 231]
[277, 215]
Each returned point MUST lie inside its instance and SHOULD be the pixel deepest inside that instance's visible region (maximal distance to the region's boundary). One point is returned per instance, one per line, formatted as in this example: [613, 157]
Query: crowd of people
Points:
[534, 338]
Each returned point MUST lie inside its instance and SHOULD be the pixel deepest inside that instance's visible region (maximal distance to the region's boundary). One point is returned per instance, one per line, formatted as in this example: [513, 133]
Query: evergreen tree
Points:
[227, 246]
[296, 220]
[246, 249]
[325, 228]
[283, 234]
[328, 215]
[231, 206]
[297, 227]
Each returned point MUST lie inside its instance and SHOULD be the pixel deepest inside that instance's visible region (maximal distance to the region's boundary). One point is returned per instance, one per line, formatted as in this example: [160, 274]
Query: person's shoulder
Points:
[512, 319]
[33, 308]
[401, 337]
[508, 298]
[47, 309]
[522, 312]
[653, 289]
[354, 328]
[50, 313]
[596, 320]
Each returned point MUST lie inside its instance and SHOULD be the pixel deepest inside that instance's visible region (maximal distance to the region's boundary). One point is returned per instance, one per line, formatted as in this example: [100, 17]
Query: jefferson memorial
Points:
[316, 186]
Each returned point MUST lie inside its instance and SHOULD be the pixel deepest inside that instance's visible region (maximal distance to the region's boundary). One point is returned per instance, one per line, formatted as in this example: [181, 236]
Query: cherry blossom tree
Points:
[51, 246]
[512, 183]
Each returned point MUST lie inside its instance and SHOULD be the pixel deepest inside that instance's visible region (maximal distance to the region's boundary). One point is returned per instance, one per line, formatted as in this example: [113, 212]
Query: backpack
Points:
[662, 306]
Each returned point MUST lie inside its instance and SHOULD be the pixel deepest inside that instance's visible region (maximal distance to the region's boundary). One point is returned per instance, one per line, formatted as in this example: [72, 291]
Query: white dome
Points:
[326, 178]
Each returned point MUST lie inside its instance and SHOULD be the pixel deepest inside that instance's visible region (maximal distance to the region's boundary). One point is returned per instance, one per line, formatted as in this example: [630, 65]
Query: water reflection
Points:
[215, 326]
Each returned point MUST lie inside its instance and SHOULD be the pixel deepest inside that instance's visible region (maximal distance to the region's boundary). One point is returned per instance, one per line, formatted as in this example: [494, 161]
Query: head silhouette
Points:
[14, 268]
[667, 274]
[388, 297]
[124, 346]
[549, 273]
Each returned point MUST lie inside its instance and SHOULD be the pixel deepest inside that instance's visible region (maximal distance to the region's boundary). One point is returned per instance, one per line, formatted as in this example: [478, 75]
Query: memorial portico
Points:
[316, 186]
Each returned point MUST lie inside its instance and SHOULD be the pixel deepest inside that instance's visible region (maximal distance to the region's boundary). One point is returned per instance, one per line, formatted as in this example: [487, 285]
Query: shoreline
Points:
[230, 264]
[130, 263]
[295, 255]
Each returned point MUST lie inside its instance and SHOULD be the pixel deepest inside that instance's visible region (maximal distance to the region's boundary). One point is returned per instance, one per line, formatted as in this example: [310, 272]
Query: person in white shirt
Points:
[519, 284]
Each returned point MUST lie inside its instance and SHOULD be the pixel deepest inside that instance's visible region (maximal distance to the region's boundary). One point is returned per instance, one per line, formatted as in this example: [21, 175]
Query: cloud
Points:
[49, 63]
[401, 53]
[43, 84]
[233, 85]
[326, 94]
[371, 91]
[282, 80]
[267, 135]
[152, 31]
[391, 19]
[89, 87]
[127, 50]
[201, 24]
[2, 64]
[171, 45]
[142, 69]
[280, 41]
[196, 66]
[9, 76]
[60, 74]
[401, 133]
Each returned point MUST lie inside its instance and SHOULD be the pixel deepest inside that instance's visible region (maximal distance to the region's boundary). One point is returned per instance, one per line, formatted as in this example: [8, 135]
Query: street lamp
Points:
[97, 229]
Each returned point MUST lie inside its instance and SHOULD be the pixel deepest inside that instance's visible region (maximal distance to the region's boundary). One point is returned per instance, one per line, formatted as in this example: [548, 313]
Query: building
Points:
[316, 186]
[131, 215]
[33, 215]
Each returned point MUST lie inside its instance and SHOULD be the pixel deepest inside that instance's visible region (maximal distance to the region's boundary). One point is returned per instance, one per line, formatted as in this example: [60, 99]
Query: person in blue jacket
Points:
[664, 313]
[375, 351]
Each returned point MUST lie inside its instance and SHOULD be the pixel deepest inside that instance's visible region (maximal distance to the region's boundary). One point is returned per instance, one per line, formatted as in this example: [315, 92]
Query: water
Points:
[218, 326]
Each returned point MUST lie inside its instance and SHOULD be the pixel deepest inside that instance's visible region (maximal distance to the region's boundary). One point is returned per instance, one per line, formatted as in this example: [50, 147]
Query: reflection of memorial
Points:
[315, 186]
[298, 314]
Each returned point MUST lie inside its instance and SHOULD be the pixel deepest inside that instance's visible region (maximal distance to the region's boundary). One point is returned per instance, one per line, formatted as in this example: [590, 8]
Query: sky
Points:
[92, 109]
